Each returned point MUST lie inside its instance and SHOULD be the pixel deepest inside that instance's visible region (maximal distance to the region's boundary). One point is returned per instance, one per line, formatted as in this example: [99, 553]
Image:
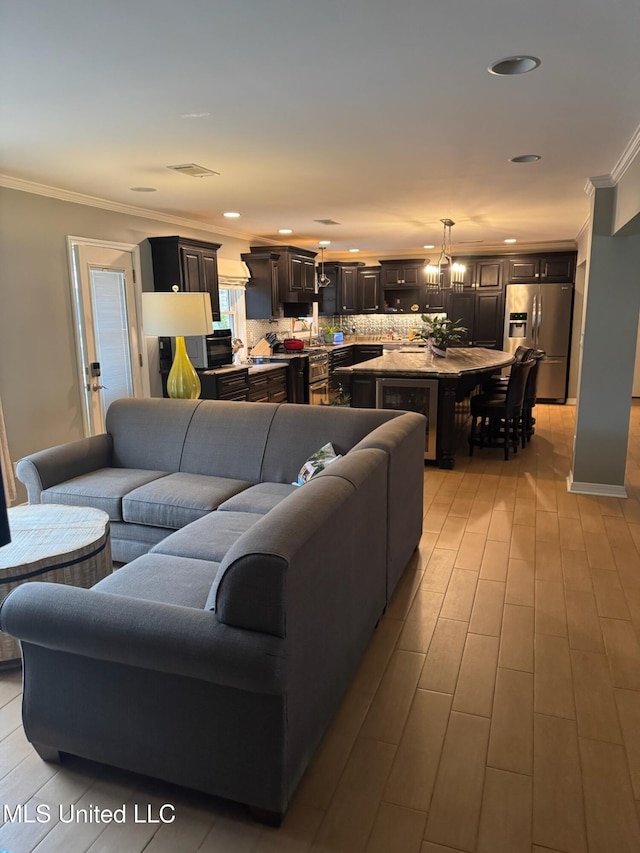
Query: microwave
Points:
[209, 351]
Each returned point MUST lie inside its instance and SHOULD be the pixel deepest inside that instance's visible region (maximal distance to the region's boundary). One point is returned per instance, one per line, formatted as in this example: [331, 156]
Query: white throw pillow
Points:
[317, 462]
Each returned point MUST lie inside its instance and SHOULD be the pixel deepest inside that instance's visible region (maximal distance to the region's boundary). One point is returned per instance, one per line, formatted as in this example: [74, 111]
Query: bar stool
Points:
[500, 414]
[530, 395]
[499, 383]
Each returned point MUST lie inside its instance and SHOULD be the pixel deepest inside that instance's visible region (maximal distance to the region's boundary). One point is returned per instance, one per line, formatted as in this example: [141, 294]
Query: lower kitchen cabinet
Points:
[224, 384]
[364, 352]
[342, 357]
[268, 386]
[243, 384]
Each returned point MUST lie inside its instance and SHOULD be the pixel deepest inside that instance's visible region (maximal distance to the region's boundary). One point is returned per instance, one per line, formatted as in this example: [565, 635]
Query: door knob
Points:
[97, 387]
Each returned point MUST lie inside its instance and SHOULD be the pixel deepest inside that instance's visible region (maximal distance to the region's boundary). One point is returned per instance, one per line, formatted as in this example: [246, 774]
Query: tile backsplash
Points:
[370, 325]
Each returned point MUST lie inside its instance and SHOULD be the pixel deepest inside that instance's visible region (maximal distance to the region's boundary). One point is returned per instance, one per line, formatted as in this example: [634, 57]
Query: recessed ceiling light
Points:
[525, 158]
[511, 240]
[354, 250]
[428, 246]
[285, 230]
[194, 115]
[143, 189]
[324, 242]
[514, 65]
[231, 214]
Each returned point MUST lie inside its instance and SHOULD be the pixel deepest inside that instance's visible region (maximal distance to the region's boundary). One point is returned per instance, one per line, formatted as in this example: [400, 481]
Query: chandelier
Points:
[434, 273]
[323, 280]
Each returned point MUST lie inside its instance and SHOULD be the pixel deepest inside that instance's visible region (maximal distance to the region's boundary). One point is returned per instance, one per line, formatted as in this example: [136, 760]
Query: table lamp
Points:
[175, 315]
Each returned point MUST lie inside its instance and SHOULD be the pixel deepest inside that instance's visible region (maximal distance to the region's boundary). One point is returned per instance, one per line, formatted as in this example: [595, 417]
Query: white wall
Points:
[38, 378]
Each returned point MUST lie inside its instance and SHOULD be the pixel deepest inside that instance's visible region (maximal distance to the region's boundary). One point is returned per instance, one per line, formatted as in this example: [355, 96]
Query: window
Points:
[232, 312]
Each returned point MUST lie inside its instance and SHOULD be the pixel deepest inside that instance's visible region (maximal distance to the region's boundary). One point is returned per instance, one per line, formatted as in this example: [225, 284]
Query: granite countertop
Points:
[420, 362]
[251, 369]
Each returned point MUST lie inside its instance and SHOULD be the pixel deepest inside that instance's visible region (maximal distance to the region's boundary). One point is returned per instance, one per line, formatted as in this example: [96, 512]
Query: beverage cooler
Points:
[412, 395]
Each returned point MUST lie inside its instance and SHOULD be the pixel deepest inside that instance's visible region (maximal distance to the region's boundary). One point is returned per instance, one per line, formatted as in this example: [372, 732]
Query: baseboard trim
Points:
[602, 489]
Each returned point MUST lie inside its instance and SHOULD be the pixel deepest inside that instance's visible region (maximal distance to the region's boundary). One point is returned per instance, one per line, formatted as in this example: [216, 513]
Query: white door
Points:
[110, 347]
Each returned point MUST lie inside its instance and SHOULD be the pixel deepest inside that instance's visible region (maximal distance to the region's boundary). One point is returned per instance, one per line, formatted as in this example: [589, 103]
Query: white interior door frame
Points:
[74, 244]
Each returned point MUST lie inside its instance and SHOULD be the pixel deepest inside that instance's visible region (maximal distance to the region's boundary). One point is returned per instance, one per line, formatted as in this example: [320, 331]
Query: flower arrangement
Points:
[439, 331]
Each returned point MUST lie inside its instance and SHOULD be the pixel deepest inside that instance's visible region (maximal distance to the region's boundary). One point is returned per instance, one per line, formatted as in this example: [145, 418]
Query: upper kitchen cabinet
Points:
[340, 296]
[191, 264]
[281, 276]
[353, 289]
[262, 296]
[483, 274]
[403, 273]
[403, 285]
[368, 290]
[554, 268]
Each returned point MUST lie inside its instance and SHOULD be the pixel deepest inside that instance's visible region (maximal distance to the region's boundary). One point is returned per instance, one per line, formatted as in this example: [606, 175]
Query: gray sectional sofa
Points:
[216, 657]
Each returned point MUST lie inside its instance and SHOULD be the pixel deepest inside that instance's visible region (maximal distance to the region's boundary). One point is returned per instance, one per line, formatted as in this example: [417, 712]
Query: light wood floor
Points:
[497, 709]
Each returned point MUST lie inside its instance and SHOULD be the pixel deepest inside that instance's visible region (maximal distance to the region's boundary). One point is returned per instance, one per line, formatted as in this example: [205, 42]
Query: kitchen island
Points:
[451, 380]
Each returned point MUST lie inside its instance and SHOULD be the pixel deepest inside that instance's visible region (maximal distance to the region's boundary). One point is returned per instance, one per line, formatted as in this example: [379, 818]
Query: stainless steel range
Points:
[307, 374]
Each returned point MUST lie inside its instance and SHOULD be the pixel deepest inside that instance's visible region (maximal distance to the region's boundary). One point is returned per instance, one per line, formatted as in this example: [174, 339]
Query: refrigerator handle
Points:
[539, 311]
[534, 321]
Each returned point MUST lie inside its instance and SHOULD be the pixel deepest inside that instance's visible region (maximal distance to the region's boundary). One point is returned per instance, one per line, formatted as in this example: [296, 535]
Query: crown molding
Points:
[583, 230]
[628, 156]
[117, 207]
[598, 182]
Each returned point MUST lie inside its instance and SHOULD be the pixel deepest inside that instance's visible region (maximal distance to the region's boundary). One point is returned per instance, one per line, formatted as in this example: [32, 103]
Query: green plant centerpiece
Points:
[439, 332]
[329, 333]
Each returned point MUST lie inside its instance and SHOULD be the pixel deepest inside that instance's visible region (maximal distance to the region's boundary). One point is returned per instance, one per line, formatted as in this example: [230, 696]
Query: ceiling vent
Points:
[326, 221]
[193, 170]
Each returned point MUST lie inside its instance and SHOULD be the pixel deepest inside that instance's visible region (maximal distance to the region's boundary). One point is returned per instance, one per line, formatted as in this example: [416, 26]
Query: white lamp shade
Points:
[173, 314]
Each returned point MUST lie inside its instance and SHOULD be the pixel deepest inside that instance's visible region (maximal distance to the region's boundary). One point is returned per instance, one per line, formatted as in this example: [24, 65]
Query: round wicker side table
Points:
[55, 543]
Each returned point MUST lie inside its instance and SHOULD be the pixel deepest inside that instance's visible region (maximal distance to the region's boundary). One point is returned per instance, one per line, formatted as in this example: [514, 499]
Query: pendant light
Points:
[323, 280]
[434, 274]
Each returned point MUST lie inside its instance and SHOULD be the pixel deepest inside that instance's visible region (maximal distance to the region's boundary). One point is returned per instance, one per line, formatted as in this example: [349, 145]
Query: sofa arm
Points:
[146, 634]
[49, 467]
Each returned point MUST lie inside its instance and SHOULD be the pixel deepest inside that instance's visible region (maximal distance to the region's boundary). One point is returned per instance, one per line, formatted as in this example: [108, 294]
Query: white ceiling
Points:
[379, 114]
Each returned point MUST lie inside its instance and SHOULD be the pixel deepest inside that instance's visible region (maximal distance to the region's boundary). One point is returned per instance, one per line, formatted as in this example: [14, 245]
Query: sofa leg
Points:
[47, 753]
[266, 816]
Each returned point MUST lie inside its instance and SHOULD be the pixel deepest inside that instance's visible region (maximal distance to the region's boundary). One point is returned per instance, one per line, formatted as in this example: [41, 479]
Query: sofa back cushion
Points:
[149, 433]
[228, 439]
[298, 431]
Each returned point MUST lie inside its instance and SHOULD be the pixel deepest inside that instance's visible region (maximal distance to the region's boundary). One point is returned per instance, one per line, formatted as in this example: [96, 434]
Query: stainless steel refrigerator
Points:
[539, 316]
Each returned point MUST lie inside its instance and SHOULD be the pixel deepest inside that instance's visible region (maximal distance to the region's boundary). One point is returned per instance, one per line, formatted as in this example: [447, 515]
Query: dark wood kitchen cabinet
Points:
[365, 352]
[368, 290]
[403, 273]
[478, 301]
[482, 314]
[262, 295]
[281, 276]
[354, 289]
[268, 386]
[191, 264]
[231, 384]
[483, 274]
[403, 285]
[552, 268]
[340, 296]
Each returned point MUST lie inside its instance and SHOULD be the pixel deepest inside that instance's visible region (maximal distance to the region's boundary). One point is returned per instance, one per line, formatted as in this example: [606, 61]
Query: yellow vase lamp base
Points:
[183, 382]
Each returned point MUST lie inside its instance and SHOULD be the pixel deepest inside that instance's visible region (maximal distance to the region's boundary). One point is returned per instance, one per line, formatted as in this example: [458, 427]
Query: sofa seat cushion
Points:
[103, 489]
[259, 499]
[209, 538]
[178, 499]
[170, 580]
